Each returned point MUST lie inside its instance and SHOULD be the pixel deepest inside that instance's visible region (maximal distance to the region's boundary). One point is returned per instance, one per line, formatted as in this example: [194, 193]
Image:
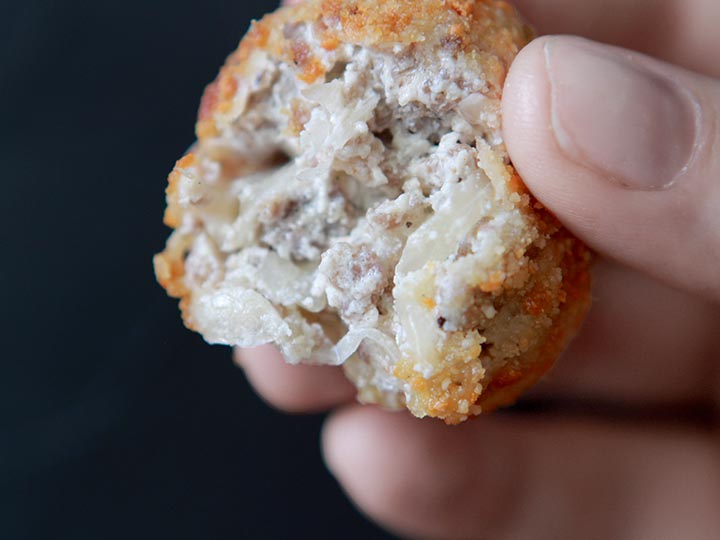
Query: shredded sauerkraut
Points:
[458, 208]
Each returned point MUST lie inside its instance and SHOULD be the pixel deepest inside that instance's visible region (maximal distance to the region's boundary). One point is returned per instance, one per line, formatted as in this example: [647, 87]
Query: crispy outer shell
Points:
[488, 34]
[488, 31]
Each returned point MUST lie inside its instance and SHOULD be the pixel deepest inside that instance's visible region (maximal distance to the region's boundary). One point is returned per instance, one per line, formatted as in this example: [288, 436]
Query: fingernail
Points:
[613, 113]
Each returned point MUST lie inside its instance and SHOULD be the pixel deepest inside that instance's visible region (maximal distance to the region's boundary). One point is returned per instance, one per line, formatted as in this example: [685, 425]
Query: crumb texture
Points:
[350, 200]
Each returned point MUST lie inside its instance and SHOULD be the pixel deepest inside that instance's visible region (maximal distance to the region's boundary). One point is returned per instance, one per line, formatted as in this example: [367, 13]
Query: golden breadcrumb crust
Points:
[488, 32]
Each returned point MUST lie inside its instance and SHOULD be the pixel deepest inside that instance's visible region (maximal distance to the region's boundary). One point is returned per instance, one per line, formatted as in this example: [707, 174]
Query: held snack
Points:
[350, 200]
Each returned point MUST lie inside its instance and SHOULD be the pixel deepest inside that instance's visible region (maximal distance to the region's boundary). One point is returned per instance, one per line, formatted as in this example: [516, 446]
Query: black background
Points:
[115, 421]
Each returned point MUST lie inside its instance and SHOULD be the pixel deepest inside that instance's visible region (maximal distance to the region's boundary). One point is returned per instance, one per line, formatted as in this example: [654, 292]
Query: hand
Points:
[625, 150]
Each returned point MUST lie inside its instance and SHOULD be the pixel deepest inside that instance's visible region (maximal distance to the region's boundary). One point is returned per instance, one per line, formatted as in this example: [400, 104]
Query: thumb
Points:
[625, 150]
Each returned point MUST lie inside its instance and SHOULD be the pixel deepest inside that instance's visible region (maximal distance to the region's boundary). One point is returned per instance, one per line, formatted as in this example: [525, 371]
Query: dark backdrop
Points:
[115, 421]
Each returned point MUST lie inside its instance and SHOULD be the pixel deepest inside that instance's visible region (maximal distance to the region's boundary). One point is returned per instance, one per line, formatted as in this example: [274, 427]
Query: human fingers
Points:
[625, 150]
[298, 389]
[508, 477]
[678, 31]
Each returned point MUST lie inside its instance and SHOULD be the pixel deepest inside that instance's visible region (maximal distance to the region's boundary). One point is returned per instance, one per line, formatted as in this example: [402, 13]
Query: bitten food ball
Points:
[350, 200]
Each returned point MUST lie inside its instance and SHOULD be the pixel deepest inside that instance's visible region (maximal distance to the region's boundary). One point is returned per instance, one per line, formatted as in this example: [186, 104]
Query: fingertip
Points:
[415, 477]
[293, 389]
[355, 438]
[526, 92]
[348, 438]
[530, 141]
[615, 143]
[366, 450]
[337, 432]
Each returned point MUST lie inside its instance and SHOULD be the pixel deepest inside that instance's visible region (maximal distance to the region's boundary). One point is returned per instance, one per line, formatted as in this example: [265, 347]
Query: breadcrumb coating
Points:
[350, 200]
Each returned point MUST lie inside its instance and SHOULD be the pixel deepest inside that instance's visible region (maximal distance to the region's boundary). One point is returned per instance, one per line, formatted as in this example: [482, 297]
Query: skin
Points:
[627, 443]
